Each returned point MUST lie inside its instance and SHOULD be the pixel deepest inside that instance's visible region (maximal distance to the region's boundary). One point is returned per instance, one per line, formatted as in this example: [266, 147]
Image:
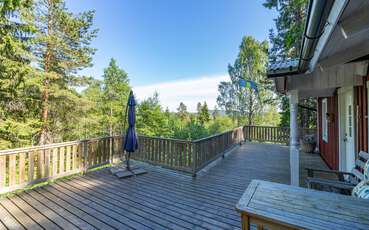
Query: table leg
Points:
[245, 222]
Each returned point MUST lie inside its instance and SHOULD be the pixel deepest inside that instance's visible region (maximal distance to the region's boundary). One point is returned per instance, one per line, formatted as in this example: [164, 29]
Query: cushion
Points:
[366, 171]
[361, 190]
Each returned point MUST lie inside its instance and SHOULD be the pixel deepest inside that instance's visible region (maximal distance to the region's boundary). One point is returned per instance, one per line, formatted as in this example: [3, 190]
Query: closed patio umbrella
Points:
[131, 141]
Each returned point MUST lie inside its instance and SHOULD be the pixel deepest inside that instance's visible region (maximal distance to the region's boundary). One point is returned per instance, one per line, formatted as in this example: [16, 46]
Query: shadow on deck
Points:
[161, 199]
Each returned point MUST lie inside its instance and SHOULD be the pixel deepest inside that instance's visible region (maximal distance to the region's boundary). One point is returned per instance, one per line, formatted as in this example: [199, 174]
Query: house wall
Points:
[361, 105]
[329, 150]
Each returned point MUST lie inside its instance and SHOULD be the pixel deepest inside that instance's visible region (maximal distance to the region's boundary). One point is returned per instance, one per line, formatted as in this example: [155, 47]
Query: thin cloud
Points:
[190, 92]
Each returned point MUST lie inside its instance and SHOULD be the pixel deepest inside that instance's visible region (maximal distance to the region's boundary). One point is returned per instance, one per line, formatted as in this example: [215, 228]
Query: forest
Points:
[44, 99]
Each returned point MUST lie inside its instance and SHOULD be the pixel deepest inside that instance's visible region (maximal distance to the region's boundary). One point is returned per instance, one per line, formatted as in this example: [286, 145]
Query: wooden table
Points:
[278, 206]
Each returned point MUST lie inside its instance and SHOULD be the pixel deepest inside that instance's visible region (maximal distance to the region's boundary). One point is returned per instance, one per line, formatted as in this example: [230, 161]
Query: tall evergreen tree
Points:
[286, 39]
[17, 124]
[286, 44]
[204, 115]
[115, 95]
[62, 47]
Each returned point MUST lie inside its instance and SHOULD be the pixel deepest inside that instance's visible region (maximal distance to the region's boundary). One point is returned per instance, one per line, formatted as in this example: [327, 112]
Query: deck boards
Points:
[160, 199]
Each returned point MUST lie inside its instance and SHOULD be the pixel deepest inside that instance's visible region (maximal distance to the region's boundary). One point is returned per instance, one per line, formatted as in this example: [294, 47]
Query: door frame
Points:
[341, 126]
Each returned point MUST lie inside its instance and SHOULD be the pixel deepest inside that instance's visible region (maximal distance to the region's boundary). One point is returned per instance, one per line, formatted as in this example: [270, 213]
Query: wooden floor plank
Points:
[33, 213]
[171, 204]
[160, 199]
[179, 196]
[87, 216]
[19, 214]
[41, 206]
[135, 207]
[8, 220]
[127, 213]
[2, 226]
[158, 209]
[96, 210]
[53, 205]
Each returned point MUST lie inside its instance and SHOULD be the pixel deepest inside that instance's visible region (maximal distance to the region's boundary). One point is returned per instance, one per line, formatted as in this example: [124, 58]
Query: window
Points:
[324, 120]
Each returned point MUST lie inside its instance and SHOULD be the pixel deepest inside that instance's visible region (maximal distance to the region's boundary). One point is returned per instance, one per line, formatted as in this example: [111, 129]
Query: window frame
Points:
[325, 120]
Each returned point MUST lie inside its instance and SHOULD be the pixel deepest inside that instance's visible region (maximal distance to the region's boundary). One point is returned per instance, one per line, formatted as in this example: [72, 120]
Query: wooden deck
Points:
[161, 199]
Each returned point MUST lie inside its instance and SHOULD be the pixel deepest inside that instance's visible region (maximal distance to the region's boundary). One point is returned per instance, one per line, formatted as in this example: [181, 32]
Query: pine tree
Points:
[62, 47]
[17, 124]
[286, 44]
[286, 40]
[204, 115]
[115, 95]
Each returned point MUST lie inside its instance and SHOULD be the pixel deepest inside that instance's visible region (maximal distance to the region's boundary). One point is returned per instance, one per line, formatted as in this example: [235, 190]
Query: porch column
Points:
[294, 151]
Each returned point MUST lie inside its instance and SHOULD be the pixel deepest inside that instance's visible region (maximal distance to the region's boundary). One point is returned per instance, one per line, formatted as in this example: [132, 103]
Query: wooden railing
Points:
[167, 152]
[210, 148]
[26, 166]
[272, 134]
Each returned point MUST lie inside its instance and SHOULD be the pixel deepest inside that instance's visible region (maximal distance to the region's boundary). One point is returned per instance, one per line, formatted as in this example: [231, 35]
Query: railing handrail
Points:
[67, 143]
[24, 166]
[61, 144]
[267, 126]
[38, 147]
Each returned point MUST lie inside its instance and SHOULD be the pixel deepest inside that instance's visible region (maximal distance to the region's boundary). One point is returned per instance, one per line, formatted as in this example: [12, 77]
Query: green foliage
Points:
[286, 40]
[220, 124]
[250, 64]
[285, 44]
[43, 99]
[61, 44]
[203, 113]
[151, 119]
[115, 95]
[182, 111]
[269, 117]
[104, 103]
[17, 122]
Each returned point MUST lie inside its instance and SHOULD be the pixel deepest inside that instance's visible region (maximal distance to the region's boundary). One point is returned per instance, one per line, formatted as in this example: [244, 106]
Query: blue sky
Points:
[173, 42]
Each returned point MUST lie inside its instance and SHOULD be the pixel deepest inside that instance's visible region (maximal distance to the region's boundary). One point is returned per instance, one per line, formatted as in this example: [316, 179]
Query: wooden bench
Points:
[345, 181]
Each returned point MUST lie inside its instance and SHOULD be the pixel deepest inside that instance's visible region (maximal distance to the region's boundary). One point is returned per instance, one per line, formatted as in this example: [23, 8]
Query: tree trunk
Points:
[44, 133]
[111, 121]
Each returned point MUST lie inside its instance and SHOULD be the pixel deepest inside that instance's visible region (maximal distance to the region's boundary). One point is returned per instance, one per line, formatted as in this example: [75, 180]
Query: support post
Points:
[85, 155]
[194, 158]
[294, 151]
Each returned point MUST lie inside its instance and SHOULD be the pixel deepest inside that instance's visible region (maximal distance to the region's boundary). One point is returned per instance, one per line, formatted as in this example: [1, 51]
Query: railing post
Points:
[111, 149]
[194, 158]
[85, 155]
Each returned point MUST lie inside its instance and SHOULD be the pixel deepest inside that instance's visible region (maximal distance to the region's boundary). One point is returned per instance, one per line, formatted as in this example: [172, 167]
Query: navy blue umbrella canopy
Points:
[131, 141]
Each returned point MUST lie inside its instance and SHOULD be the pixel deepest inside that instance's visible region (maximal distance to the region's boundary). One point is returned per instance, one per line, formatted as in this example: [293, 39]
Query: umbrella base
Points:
[125, 173]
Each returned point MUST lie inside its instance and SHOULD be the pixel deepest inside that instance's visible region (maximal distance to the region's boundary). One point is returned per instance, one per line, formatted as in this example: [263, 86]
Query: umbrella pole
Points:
[128, 156]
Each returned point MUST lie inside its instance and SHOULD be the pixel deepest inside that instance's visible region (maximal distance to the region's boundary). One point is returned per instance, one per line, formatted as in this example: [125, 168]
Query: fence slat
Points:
[40, 164]
[21, 166]
[12, 169]
[68, 159]
[31, 166]
[54, 163]
[2, 171]
[61, 159]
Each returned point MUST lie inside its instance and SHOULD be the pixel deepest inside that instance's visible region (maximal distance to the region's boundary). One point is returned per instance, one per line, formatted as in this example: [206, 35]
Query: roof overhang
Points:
[345, 40]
